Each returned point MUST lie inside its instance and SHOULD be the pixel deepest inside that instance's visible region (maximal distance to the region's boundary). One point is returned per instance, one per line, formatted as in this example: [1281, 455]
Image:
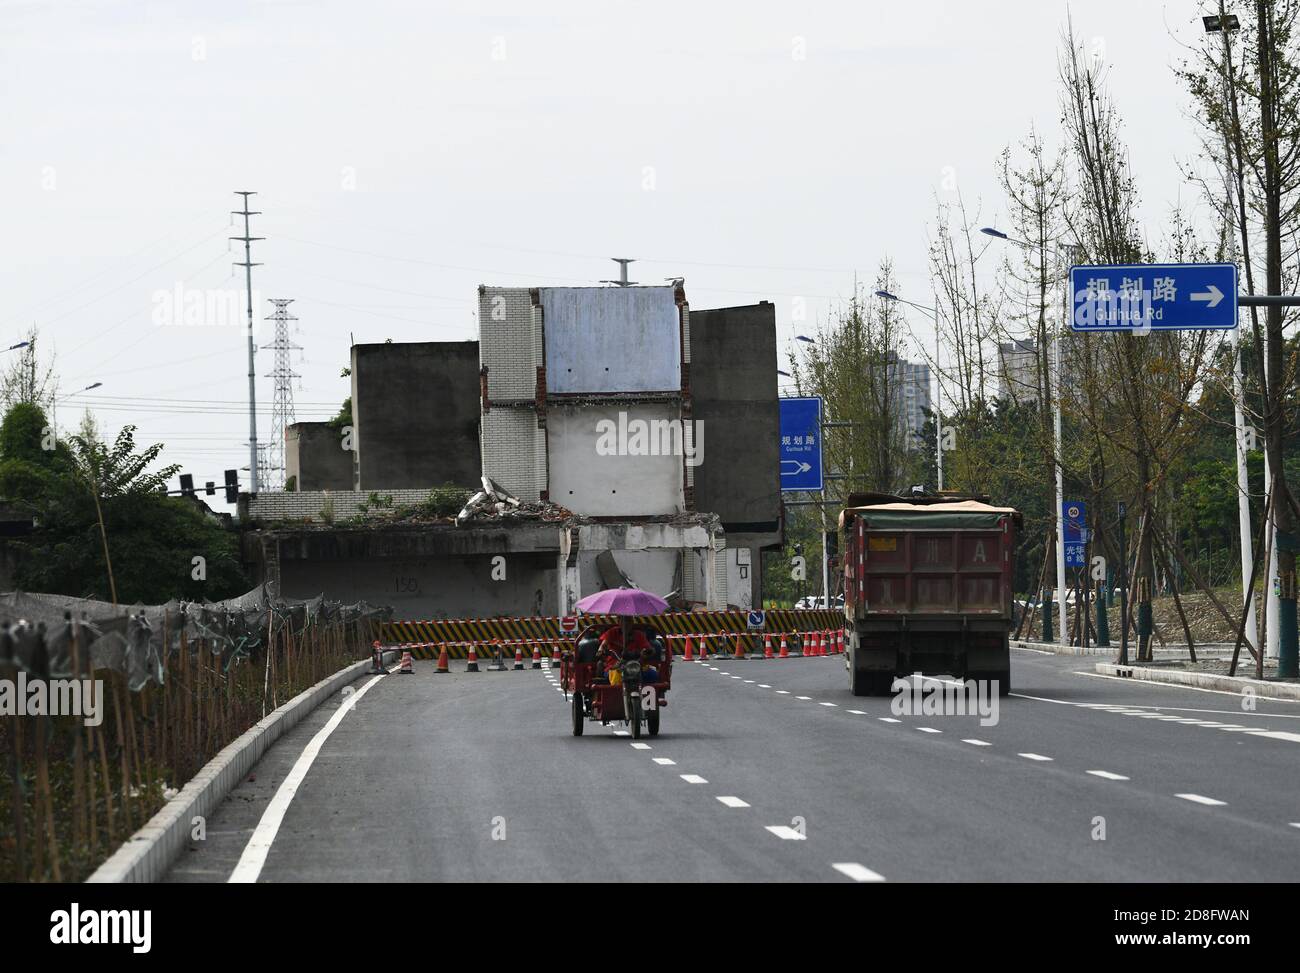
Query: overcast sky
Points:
[404, 153]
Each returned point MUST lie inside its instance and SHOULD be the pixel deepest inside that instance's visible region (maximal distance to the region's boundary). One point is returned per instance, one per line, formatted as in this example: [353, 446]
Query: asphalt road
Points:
[774, 771]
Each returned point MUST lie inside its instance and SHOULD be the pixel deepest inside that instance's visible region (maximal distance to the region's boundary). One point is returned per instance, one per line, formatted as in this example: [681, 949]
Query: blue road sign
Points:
[756, 620]
[801, 444]
[1153, 297]
[1074, 517]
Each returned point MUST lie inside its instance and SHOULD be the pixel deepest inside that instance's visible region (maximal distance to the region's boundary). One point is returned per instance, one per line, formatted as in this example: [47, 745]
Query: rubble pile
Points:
[494, 503]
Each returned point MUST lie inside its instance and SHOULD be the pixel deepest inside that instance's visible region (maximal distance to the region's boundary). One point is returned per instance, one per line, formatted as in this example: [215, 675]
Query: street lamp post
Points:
[938, 389]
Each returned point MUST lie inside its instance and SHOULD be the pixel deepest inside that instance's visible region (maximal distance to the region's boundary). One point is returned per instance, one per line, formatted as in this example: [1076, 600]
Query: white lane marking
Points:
[622, 733]
[977, 743]
[1276, 735]
[693, 778]
[803, 697]
[888, 719]
[1200, 799]
[763, 685]
[735, 677]
[859, 873]
[828, 704]
[856, 712]
[785, 832]
[928, 729]
[665, 761]
[1107, 775]
[1241, 729]
[732, 801]
[640, 746]
[1295, 824]
[749, 680]
[259, 844]
[1034, 756]
[783, 692]
[1166, 685]
[1216, 725]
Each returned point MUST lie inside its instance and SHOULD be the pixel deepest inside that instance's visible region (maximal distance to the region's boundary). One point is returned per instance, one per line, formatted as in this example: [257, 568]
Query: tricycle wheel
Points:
[633, 704]
[578, 717]
[652, 722]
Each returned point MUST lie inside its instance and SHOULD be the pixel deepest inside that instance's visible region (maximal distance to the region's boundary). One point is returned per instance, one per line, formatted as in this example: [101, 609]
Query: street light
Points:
[21, 344]
[804, 338]
[1063, 635]
[938, 389]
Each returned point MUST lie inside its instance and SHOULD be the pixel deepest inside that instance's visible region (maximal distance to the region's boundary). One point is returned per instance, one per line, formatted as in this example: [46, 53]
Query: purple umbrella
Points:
[622, 601]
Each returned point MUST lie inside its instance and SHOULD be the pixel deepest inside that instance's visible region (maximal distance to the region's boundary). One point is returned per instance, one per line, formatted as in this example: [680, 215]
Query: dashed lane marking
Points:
[665, 761]
[730, 801]
[803, 697]
[785, 832]
[693, 778]
[977, 743]
[856, 712]
[928, 729]
[1107, 775]
[888, 719]
[828, 704]
[640, 746]
[1035, 756]
[1201, 799]
[859, 873]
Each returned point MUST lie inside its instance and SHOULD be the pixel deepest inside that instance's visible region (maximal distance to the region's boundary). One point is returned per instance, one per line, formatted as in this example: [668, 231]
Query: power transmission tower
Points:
[248, 266]
[282, 415]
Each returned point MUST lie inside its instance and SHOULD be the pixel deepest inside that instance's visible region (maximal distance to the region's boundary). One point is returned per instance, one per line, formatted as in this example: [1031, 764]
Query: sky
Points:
[404, 153]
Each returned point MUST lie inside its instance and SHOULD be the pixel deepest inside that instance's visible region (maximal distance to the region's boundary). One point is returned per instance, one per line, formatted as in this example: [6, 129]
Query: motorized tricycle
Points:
[605, 681]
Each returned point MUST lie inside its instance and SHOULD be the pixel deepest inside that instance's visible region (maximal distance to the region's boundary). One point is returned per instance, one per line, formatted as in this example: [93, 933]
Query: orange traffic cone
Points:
[444, 660]
[537, 656]
[785, 648]
[408, 665]
[839, 642]
[377, 660]
[555, 653]
[519, 656]
[821, 644]
[689, 655]
[473, 660]
[767, 645]
[740, 647]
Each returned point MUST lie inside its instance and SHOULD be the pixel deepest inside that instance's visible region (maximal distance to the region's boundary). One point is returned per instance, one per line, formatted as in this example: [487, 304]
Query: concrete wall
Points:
[612, 339]
[733, 385]
[315, 458]
[598, 485]
[443, 587]
[415, 408]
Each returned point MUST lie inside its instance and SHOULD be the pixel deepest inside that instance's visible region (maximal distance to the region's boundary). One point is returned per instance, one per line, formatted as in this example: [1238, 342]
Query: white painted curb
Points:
[1203, 680]
[1058, 649]
[147, 854]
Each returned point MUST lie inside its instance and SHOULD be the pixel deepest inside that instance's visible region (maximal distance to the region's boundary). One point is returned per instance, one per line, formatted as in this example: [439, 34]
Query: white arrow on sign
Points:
[1212, 296]
[800, 467]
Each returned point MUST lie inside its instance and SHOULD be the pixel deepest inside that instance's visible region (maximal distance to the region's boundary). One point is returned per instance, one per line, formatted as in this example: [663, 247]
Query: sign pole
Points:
[1243, 490]
[1123, 589]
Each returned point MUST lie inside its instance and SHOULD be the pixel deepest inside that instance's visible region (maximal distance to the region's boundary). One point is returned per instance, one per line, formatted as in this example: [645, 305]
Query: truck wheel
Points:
[578, 718]
[1004, 682]
[858, 682]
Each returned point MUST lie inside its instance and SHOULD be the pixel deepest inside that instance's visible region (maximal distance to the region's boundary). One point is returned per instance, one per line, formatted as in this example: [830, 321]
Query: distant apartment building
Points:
[909, 384]
[1018, 370]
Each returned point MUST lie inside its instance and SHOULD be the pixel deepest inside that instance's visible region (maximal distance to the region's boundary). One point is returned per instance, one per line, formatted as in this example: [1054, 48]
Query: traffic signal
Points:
[232, 486]
[187, 485]
[210, 488]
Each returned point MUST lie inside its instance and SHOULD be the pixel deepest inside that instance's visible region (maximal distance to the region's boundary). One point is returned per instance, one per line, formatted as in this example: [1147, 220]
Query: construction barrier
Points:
[687, 646]
[462, 631]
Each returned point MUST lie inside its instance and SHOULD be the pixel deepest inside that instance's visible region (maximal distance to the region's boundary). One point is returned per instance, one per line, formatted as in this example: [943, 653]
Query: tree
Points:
[96, 504]
[27, 379]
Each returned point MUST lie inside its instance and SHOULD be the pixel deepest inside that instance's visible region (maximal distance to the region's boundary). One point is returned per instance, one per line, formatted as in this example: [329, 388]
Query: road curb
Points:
[1058, 649]
[1202, 680]
[147, 854]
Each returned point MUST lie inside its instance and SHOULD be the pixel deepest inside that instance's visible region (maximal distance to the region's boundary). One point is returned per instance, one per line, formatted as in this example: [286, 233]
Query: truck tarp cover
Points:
[969, 514]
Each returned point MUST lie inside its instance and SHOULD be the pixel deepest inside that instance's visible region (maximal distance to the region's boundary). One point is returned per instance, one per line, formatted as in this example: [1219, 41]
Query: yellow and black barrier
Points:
[427, 637]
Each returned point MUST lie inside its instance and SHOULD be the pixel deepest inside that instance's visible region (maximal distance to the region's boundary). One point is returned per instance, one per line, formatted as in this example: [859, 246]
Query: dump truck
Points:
[927, 588]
